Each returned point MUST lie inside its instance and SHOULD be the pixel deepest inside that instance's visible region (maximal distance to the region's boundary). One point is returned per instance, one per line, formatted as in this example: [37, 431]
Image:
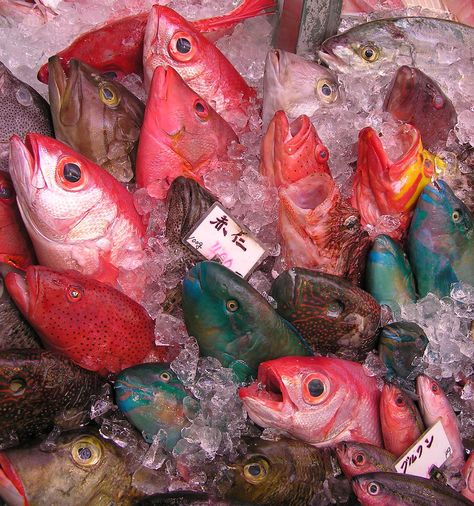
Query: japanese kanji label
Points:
[218, 235]
[431, 449]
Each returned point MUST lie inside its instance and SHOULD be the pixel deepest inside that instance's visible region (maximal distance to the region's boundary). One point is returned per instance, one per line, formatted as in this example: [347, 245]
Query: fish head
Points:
[85, 468]
[292, 150]
[370, 490]
[432, 400]
[56, 187]
[359, 458]
[405, 91]
[295, 393]
[171, 40]
[297, 86]
[389, 253]
[397, 409]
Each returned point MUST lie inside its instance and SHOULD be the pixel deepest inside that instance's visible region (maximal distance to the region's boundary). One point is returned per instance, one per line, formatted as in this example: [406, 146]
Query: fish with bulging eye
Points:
[96, 116]
[360, 458]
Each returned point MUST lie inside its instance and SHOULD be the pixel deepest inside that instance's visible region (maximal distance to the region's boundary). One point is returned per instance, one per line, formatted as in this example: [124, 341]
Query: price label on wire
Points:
[219, 236]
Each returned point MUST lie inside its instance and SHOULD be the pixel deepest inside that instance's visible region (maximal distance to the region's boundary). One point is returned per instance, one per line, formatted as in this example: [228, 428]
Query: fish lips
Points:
[11, 487]
[23, 158]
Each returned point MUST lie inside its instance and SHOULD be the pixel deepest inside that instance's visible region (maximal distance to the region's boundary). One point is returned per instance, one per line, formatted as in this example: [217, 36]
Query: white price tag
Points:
[431, 449]
[217, 234]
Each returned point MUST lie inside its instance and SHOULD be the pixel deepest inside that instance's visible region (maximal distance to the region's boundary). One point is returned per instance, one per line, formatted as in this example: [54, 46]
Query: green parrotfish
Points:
[233, 322]
[441, 241]
[388, 275]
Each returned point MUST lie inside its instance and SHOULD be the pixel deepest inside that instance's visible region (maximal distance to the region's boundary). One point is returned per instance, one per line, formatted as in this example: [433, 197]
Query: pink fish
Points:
[78, 216]
[292, 151]
[319, 400]
[181, 134]
[173, 41]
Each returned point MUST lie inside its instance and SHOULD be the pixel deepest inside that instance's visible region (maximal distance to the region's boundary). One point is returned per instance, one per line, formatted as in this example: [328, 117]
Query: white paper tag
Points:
[217, 234]
[431, 449]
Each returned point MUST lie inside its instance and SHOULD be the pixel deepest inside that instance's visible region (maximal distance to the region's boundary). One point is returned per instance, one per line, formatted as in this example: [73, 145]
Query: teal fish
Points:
[233, 322]
[441, 241]
[151, 397]
[388, 275]
[399, 345]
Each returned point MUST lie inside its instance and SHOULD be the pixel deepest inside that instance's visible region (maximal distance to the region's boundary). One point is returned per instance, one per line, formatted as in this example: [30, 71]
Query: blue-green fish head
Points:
[441, 240]
[151, 397]
[233, 322]
[388, 276]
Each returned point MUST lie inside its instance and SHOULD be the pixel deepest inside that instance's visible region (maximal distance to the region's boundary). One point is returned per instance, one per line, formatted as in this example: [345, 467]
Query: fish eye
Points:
[17, 386]
[326, 90]
[369, 52]
[182, 46]
[201, 109]
[72, 172]
[457, 215]
[256, 471]
[232, 305]
[74, 293]
[315, 388]
[335, 309]
[358, 459]
[6, 192]
[373, 488]
[23, 96]
[434, 388]
[165, 376]
[322, 153]
[87, 451]
[400, 401]
[108, 95]
[69, 174]
[351, 223]
[438, 102]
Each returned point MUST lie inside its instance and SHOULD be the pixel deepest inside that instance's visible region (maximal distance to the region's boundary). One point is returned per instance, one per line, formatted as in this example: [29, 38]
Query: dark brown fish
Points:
[40, 390]
[22, 110]
[417, 99]
[333, 315]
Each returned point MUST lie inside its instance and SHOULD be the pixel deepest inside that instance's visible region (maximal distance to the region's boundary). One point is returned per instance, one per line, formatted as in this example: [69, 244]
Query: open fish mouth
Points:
[402, 94]
[308, 193]
[11, 488]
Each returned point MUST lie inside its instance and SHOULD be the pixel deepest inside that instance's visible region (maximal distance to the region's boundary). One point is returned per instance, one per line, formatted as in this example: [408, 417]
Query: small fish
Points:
[441, 241]
[151, 397]
[434, 406]
[468, 474]
[15, 331]
[320, 230]
[332, 314]
[389, 184]
[297, 86]
[181, 134]
[117, 46]
[94, 325]
[285, 472]
[292, 151]
[400, 344]
[320, 400]
[387, 489]
[15, 246]
[84, 469]
[22, 110]
[40, 390]
[98, 117]
[383, 44]
[388, 275]
[415, 98]
[401, 422]
[233, 322]
[77, 215]
[172, 41]
[361, 458]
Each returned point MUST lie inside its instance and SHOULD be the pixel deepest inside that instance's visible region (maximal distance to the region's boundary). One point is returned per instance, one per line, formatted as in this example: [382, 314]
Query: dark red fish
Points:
[117, 46]
[94, 325]
[417, 99]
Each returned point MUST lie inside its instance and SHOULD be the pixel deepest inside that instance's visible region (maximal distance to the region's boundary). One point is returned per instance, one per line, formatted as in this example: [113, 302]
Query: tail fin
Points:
[247, 9]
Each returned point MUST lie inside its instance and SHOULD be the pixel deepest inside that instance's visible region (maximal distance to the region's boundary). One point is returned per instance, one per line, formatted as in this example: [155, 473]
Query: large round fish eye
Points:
[17, 386]
[456, 215]
[69, 174]
[109, 95]
[86, 451]
[358, 459]
[182, 46]
[369, 52]
[256, 471]
[326, 90]
[315, 388]
[335, 309]
[165, 376]
[373, 488]
[232, 305]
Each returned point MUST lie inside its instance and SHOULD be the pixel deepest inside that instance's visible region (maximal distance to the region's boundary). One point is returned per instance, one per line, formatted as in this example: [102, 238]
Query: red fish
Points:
[117, 46]
[319, 400]
[361, 458]
[173, 41]
[468, 475]
[77, 215]
[401, 422]
[180, 136]
[291, 151]
[391, 184]
[15, 246]
[94, 325]
[320, 230]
